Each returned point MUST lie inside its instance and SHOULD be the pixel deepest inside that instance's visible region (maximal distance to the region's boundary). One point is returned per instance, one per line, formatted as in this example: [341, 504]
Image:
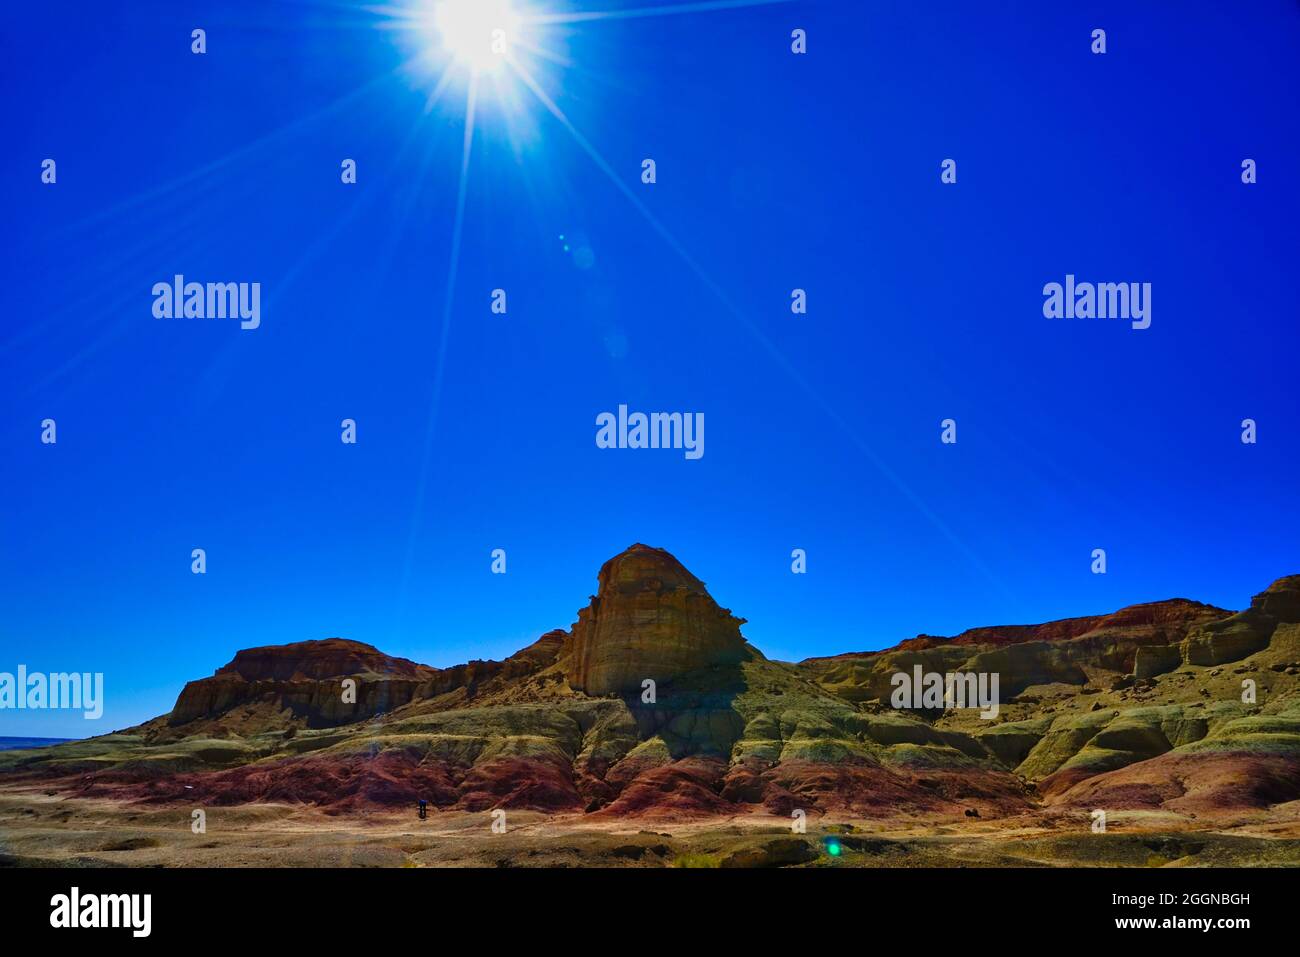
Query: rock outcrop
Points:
[1280, 601]
[304, 680]
[316, 660]
[650, 618]
[1245, 633]
[1228, 638]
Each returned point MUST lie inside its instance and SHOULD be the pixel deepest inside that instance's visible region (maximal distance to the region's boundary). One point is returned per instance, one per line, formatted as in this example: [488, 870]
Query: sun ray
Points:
[443, 82]
[224, 161]
[558, 59]
[453, 266]
[779, 357]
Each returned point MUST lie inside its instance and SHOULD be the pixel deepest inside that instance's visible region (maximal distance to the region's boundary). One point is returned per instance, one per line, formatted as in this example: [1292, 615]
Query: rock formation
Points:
[305, 680]
[1144, 708]
[650, 618]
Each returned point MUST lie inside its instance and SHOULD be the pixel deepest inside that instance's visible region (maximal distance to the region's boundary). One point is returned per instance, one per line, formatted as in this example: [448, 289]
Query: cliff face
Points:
[650, 618]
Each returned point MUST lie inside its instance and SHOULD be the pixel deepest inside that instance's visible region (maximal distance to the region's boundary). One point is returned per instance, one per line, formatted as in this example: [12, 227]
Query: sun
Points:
[476, 33]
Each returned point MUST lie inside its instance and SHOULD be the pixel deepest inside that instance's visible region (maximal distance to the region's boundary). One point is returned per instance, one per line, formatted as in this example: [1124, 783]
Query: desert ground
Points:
[49, 829]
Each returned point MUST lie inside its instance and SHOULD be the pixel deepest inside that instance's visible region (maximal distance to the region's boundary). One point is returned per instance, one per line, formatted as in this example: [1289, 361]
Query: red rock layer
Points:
[1167, 621]
[1203, 783]
[695, 787]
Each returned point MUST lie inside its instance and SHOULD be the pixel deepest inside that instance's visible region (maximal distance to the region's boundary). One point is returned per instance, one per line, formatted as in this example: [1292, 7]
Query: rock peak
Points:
[650, 618]
[639, 566]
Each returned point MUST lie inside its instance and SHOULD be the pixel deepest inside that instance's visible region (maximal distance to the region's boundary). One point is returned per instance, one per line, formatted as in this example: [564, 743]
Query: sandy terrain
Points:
[41, 829]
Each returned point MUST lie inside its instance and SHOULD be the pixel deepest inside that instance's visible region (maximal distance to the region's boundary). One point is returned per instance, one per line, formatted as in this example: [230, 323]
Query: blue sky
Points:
[774, 172]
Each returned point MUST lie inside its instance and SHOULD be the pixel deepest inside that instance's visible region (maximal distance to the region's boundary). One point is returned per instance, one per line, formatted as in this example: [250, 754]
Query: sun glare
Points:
[477, 33]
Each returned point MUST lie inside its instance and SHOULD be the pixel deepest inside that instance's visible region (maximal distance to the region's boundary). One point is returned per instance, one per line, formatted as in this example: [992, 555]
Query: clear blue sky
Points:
[775, 171]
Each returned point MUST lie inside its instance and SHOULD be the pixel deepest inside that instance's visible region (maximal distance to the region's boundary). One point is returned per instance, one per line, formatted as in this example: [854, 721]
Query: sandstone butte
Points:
[1141, 708]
